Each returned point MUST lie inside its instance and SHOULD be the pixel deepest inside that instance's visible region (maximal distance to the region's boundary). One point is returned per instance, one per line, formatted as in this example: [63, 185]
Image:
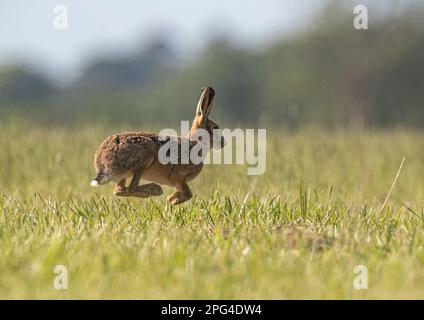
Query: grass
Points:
[298, 231]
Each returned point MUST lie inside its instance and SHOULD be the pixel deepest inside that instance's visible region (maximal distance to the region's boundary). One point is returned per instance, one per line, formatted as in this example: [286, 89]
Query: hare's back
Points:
[137, 148]
[127, 151]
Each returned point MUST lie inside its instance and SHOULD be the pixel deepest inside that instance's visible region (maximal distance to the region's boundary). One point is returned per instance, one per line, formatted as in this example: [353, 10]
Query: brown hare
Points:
[136, 155]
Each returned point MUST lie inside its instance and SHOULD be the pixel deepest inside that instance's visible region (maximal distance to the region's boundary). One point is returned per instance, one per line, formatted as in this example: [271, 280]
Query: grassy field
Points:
[298, 231]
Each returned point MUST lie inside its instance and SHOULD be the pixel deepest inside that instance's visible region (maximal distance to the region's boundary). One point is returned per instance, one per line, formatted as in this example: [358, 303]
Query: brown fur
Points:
[135, 154]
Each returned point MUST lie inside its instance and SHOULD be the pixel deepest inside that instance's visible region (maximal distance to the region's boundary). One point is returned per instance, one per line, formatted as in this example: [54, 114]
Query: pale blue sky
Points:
[96, 26]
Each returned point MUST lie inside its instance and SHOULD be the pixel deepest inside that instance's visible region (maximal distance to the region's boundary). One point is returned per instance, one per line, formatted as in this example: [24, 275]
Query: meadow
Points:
[298, 231]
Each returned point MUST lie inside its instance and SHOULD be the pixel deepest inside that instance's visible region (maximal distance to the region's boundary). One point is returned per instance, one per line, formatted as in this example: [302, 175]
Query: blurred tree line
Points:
[330, 75]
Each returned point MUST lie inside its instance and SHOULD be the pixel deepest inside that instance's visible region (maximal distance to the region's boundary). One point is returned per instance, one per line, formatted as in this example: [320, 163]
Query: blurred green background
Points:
[325, 74]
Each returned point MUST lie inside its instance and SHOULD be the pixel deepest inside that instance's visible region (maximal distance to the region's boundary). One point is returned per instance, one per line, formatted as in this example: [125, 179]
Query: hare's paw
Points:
[120, 188]
[120, 192]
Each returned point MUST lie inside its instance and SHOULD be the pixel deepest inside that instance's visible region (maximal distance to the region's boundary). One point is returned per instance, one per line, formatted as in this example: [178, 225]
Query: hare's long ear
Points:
[204, 105]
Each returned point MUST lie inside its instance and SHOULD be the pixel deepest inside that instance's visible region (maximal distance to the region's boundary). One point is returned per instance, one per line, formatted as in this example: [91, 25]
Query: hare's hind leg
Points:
[120, 187]
[151, 189]
[143, 191]
[182, 194]
[135, 190]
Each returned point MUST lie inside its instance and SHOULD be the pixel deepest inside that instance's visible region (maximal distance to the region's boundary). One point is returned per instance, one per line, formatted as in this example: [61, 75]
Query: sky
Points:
[27, 32]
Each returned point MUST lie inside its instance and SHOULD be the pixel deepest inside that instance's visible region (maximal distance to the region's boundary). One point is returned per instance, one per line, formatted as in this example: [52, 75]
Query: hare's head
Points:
[202, 122]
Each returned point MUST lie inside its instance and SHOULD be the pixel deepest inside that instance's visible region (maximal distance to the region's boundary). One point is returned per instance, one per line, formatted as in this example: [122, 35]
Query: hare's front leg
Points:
[182, 194]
